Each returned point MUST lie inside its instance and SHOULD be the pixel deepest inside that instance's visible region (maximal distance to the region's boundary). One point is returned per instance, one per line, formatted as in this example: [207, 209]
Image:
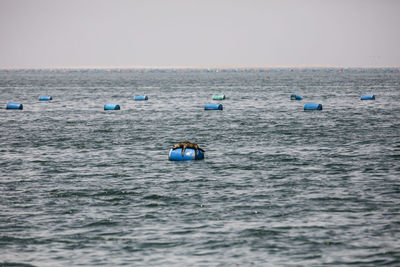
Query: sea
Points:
[279, 186]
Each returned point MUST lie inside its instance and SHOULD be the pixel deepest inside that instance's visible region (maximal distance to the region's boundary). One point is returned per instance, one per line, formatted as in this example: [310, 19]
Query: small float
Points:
[140, 97]
[45, 98]
[368, 97]
[296, 97]
[213, 107]
[218, 97]
[14, 106]
[312, 106]
[186, 151]
[111, 107]
[190, 154]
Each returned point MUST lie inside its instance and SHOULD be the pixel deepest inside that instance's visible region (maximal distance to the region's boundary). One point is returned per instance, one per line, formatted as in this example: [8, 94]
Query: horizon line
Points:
[203, 67]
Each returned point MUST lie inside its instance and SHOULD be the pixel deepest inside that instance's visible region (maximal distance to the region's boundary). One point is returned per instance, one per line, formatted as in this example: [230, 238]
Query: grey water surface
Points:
[80, 186]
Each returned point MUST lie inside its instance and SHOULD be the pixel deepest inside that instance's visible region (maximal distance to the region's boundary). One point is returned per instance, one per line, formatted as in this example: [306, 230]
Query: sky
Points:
[203, 33]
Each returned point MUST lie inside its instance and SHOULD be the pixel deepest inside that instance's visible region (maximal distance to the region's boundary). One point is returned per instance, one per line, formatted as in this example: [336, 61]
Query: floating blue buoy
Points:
[190, 154]
[111, 107]
[296, 97]
[45, 98]
[218, 97]
[14, 106]
[213, 107]
[141, 97]
[368, 97]
[312, 106]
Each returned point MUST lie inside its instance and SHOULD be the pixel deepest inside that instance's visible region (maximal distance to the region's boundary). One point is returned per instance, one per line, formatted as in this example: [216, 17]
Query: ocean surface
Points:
[80, 186]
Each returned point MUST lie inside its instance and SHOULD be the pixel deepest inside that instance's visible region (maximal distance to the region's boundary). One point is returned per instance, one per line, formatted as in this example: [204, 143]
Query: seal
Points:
[185, 145]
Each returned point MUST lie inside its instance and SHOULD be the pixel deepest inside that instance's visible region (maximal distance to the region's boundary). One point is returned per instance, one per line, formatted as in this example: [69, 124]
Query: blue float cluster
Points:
[210, 106]
[190, 154]
[317, 106]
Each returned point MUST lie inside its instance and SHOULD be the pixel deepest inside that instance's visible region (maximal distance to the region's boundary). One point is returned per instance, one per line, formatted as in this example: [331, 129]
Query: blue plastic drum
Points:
[213, 107]
[140, 97]
[312, 106]
[368, 97]
[296, 97]
[45, 98]
[14, 106]
[111, 107]
[190, 154]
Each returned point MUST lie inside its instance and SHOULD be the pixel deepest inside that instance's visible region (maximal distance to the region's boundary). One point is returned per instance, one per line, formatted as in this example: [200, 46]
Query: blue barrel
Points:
[296, 97]
[45, 98]
[140, 97]
[368, 97]
[14, 106]
[312, 106]
[111, 107]
[213, 107]
[190, 154]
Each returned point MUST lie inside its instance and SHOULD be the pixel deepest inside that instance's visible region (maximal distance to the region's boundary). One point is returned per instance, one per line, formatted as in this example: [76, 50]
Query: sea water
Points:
[80, 186]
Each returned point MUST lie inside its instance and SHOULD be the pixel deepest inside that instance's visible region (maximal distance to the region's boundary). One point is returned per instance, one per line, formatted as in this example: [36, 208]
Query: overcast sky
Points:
[118, 33]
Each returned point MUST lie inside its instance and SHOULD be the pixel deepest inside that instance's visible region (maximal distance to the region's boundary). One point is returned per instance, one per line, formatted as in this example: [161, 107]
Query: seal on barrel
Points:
[185, 145]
